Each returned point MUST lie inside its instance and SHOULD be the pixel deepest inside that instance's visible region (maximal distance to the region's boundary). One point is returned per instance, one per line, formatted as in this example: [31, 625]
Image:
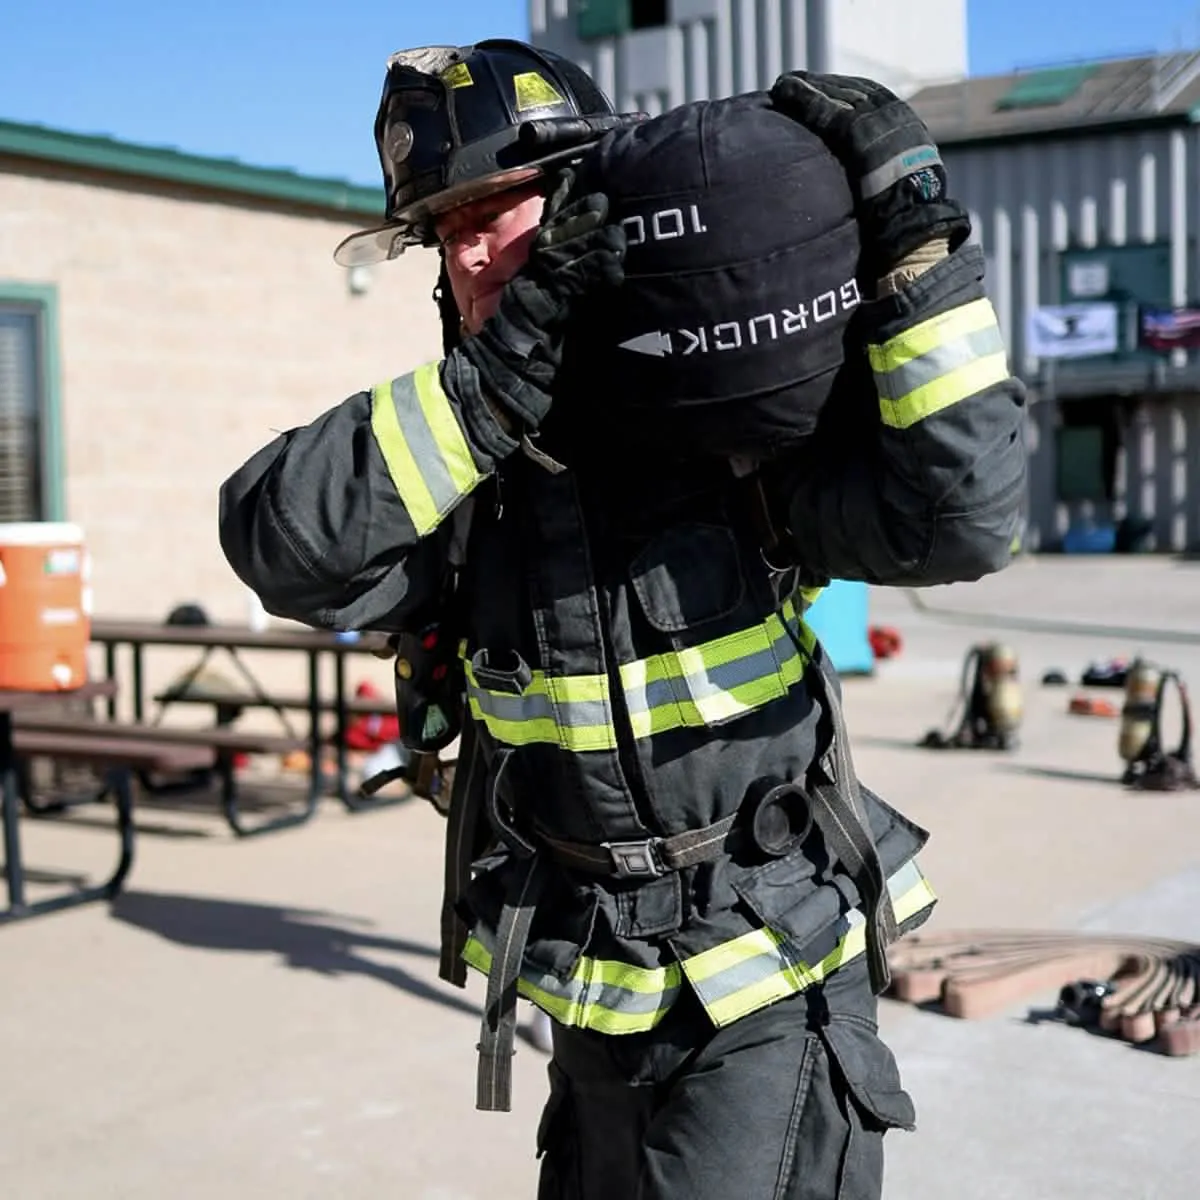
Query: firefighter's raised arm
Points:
[920, 478]
[343, 523]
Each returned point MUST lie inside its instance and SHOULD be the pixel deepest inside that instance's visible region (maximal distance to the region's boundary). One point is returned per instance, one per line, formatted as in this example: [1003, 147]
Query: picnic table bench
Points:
[193, 749]
[115, 759]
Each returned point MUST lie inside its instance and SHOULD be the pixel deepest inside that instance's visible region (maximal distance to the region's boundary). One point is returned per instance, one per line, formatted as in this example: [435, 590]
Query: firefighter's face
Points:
[486, 242]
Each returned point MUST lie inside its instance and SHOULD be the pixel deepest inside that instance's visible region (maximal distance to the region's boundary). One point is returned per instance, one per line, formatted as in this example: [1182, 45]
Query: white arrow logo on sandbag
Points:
[656, 344]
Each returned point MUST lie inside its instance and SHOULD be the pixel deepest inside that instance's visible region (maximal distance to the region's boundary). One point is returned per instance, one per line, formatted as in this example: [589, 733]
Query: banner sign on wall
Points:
[1072, 331]
[1171, 329]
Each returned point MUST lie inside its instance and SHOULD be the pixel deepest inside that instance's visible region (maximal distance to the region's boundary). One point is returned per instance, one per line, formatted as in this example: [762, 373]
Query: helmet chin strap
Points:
[443, 296]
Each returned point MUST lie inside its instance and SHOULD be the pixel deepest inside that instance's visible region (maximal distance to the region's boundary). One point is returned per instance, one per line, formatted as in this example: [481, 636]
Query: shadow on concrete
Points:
[302, 939]
[1061, 773]
[1051, 1016]
[888, 743]
[980, 753]
[1046, 1016]
[36, 875]
[145, 828]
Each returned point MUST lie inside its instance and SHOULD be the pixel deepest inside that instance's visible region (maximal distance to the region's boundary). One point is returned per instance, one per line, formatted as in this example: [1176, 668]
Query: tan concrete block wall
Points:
[190, 331]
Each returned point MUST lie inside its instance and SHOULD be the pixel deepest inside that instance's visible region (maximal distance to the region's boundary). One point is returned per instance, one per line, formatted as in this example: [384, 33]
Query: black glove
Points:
[513, 360]
[895, 170]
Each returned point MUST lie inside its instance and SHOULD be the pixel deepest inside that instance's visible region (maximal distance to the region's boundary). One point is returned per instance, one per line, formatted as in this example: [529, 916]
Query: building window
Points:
[30, 478]
[611, 18]
[647, 14]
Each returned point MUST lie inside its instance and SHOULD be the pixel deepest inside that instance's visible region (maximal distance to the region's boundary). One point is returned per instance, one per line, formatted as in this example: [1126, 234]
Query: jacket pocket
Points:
[897, 839]
[791, 897]
[897, 842]
[689, 575]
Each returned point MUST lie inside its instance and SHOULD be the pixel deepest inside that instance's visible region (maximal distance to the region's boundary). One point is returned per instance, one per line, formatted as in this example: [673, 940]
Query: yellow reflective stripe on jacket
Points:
[761, 967]
[938, 363]
[808, 597]
[697, 687]
[422, 443]
[571, 711]
[731, 980]
[718, 680]
[609, 997]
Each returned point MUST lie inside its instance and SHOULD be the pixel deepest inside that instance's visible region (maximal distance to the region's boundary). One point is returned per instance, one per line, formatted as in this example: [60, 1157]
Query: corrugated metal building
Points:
[1084, 184]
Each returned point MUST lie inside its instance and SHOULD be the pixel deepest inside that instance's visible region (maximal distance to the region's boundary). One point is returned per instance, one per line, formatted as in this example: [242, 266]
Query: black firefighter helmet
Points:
[736, 320]
[457, 123]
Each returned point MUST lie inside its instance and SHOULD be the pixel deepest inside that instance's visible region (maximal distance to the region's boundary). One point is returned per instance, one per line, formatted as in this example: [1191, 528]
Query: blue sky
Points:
[295, 82]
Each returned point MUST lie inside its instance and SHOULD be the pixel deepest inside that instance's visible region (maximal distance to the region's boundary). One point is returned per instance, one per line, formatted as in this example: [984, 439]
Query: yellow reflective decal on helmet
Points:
[457, 76]
[533, 91]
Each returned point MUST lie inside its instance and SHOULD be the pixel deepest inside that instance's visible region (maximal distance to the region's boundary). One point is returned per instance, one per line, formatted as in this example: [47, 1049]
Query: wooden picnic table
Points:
[10, 801]
[313, 643]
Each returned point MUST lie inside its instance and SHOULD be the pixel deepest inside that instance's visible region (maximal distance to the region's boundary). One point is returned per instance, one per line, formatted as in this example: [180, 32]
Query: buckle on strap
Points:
[643, 858]
[635, 860]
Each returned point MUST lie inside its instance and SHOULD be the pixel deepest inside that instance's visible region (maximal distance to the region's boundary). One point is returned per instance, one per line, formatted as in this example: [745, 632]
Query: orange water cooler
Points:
[45, 622]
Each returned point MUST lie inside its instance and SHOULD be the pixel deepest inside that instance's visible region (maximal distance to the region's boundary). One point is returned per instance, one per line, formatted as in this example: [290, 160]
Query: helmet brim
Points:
[410, 227]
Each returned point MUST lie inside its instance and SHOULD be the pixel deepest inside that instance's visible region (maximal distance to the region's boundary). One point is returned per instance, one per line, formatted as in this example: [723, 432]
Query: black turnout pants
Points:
[789, 1103]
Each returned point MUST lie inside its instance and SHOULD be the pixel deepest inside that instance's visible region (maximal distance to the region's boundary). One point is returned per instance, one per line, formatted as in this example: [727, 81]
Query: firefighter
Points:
[657, 834]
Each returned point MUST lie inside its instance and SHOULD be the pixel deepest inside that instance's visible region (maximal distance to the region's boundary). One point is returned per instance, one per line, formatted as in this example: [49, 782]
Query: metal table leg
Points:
[339, 699]
[110, 669]
[118, 785]
[232, 812]
[315, 769]
[228, 775]
[10, 802]
[138, 700]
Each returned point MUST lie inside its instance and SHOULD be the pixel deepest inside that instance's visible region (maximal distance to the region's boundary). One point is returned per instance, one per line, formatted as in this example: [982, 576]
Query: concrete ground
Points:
[263, 1018]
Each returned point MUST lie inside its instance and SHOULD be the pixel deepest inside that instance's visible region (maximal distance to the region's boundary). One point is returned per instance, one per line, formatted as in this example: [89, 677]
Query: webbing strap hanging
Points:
[466, 795]
[497, 1036]
[839, 813]
[462, 824]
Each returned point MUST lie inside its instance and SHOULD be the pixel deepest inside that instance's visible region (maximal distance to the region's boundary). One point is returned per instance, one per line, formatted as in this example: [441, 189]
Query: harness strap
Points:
[465, 807]
[630, 860]
[647, 858]
[462, 826]
[497, 1036]
[839, 813]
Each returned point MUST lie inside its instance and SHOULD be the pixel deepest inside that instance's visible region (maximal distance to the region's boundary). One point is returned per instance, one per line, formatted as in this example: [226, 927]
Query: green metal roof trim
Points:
[1041, 89]
[173, 166]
